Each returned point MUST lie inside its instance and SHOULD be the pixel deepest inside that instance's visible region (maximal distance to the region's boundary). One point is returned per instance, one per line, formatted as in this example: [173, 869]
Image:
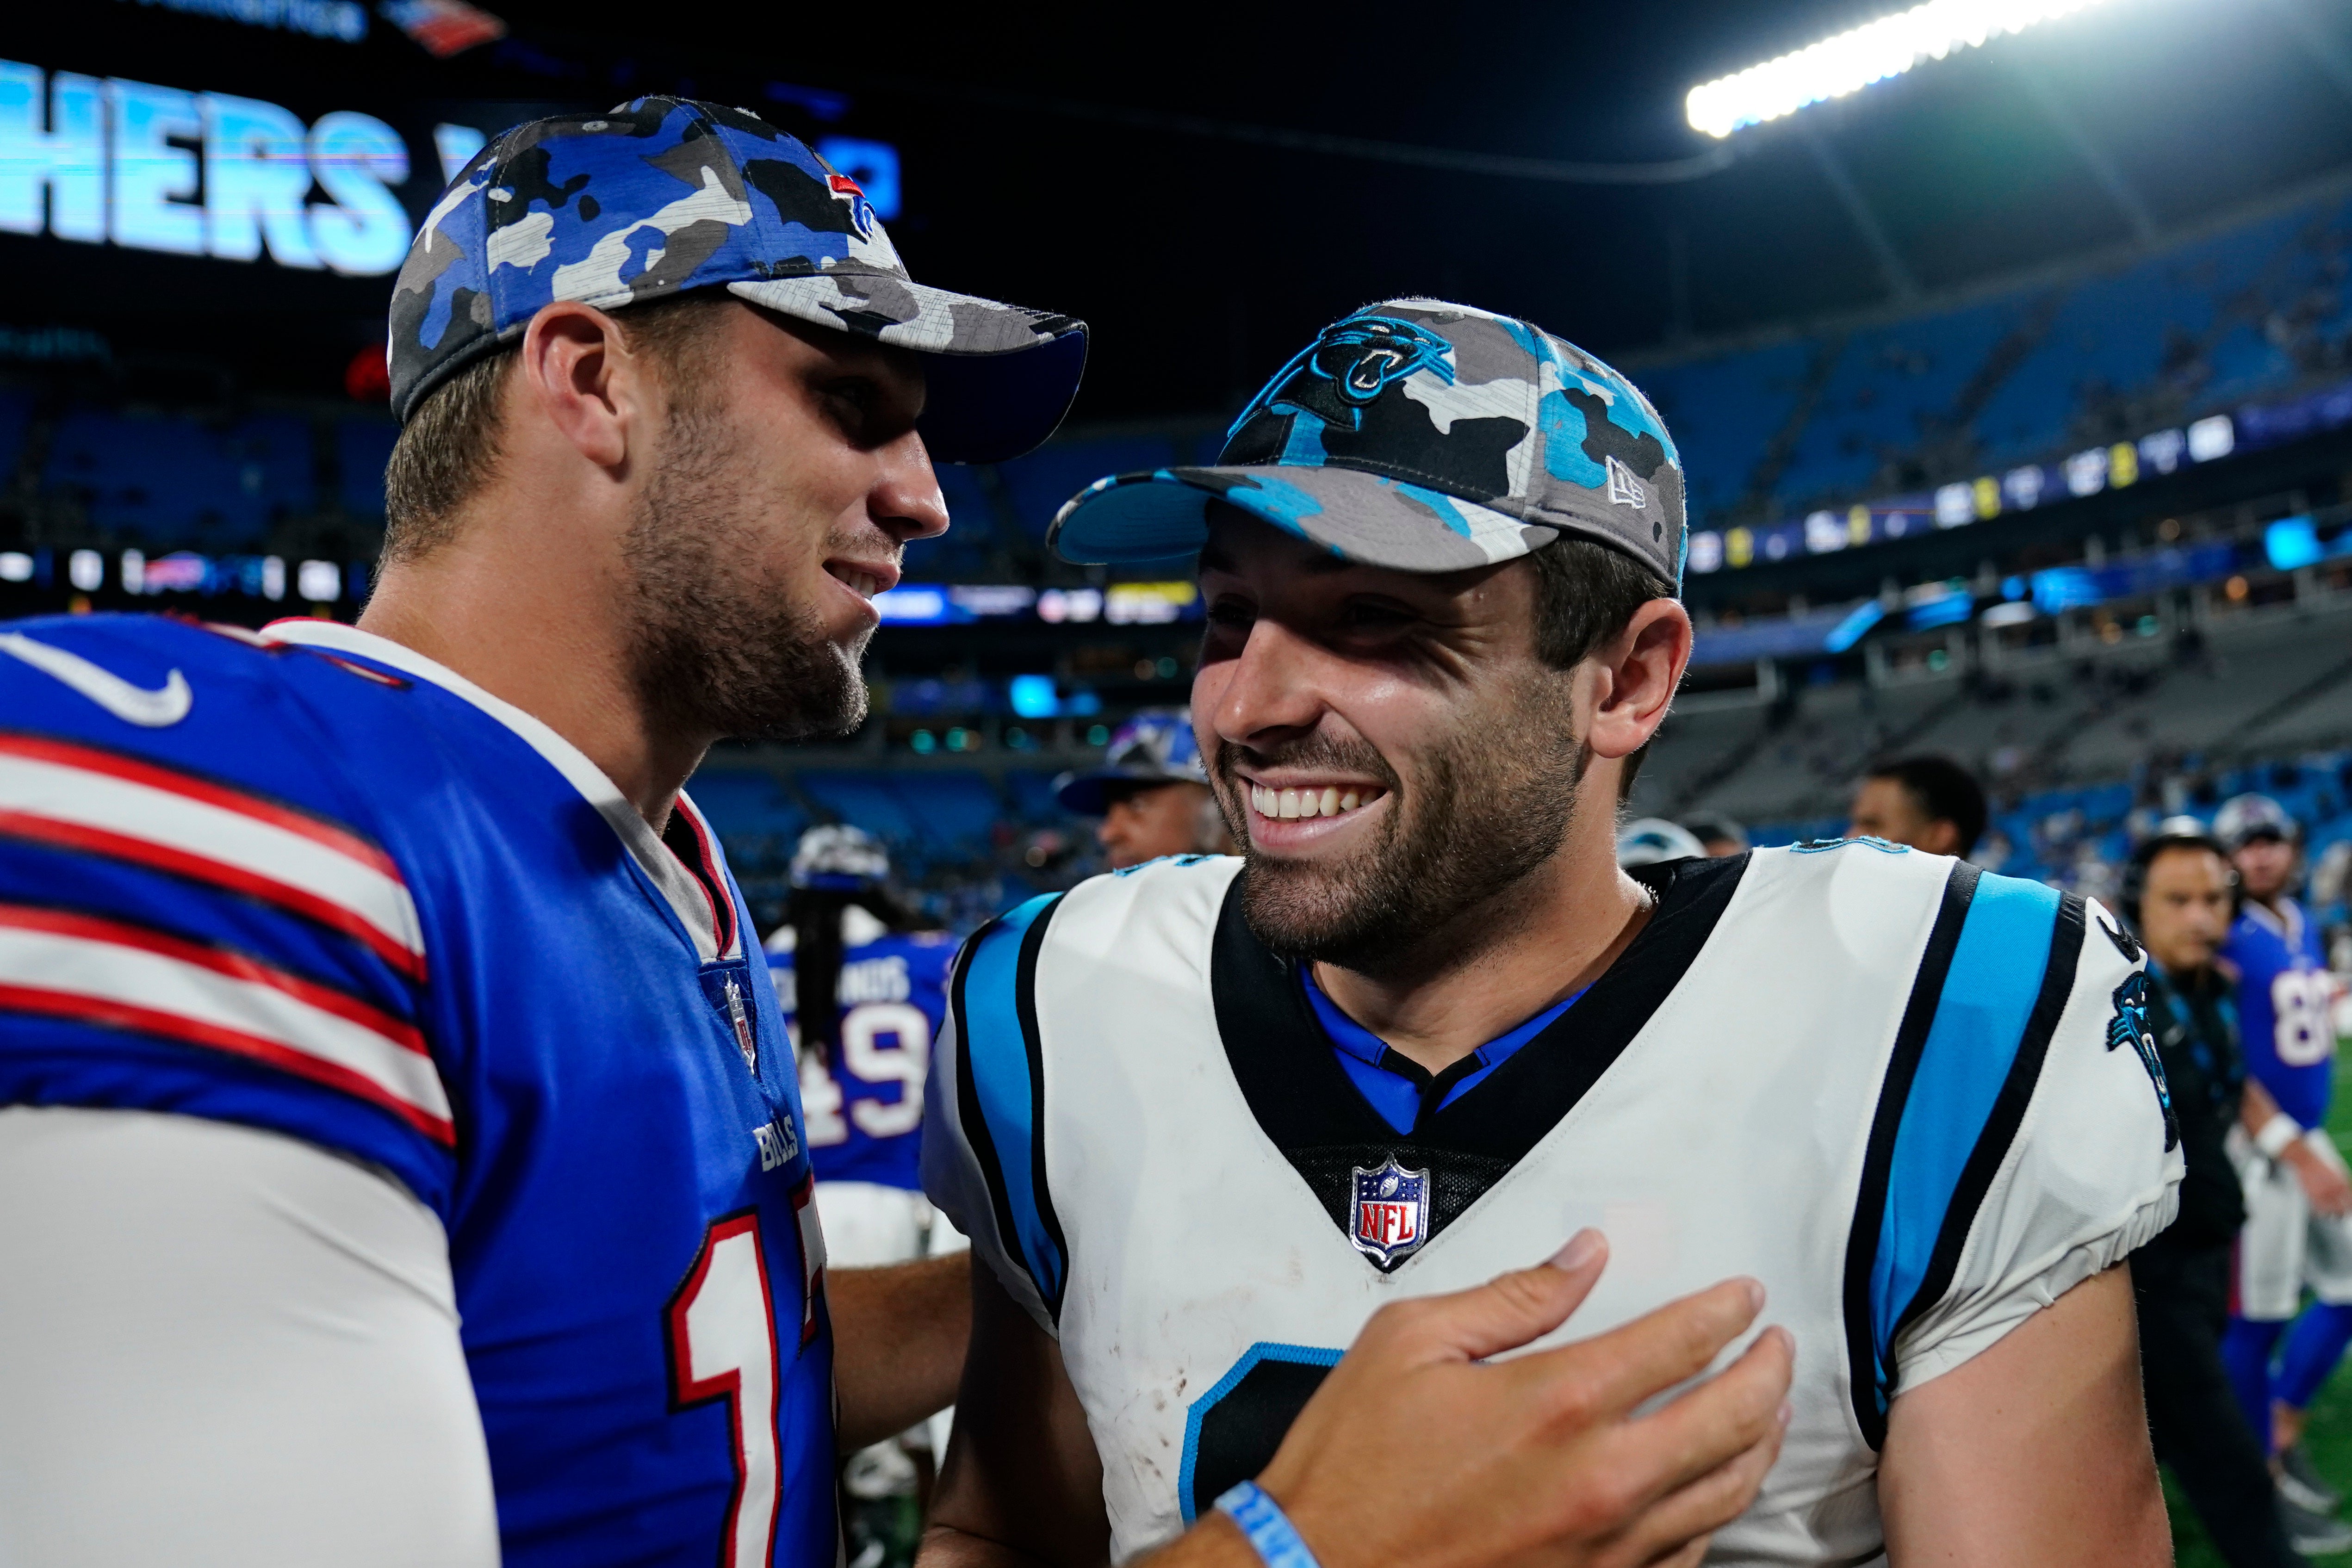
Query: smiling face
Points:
[785, 482]
[1387, 747]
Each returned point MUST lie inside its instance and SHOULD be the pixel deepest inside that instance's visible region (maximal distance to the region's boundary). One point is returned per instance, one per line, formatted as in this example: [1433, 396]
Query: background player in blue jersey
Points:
[876, 989]
[402, 1157]
[2298, 1202]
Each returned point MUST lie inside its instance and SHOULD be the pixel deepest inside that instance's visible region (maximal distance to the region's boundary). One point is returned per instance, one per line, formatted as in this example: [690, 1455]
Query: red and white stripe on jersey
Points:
[104, 803]
[60, 964]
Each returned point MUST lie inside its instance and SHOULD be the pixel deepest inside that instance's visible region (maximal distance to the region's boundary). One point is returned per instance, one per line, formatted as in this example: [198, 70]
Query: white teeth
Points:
[1289, 804]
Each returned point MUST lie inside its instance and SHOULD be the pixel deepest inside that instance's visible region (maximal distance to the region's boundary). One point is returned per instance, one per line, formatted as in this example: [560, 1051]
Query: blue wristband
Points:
[1267, 1529]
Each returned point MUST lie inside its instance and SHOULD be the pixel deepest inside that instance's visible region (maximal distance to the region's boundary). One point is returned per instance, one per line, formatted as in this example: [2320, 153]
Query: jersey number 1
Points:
[722, 1345]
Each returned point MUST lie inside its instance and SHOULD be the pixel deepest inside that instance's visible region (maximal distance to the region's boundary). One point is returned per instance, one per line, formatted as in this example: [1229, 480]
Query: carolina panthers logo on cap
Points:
[1344, 371]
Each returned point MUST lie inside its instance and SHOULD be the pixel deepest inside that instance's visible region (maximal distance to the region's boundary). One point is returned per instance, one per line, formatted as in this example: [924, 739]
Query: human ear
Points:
[575, 367]
[1639, 670]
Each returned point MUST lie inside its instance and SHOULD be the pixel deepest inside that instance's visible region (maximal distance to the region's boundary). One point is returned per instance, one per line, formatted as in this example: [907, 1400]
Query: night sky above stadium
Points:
[1133, 174]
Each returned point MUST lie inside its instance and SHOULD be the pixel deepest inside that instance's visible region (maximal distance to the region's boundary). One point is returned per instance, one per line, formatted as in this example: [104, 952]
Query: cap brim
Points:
[1000, 376]
[1363, 517]
[1088, 794]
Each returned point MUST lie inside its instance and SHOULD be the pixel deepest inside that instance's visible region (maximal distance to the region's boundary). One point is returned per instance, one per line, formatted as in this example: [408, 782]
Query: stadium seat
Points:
[362, 447]
[175, 482]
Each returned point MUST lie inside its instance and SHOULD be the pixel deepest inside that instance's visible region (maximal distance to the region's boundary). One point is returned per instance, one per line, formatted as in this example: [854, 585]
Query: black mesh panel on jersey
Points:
[1456, 1180]
[1308, 1108]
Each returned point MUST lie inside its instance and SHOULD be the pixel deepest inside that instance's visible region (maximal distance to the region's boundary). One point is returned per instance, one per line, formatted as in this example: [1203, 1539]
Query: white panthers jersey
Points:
[1916, 1100]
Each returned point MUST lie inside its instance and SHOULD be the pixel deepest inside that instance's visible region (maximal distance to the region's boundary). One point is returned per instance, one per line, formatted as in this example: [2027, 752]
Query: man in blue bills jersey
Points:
[401, 1158]
[1202, 1118]
[862, 993]
[2298, 1230]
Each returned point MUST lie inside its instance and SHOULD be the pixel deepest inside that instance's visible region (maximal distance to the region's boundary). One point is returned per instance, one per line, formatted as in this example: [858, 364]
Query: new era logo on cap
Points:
[1624, 490]
[1423, 437]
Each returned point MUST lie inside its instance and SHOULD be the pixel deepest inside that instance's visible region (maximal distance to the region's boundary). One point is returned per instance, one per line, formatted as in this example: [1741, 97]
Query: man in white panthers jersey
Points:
[1204, 1117]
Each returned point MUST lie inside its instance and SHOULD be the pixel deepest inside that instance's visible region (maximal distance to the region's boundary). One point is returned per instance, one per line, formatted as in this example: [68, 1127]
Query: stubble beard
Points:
[717, 647]
[1479, 819]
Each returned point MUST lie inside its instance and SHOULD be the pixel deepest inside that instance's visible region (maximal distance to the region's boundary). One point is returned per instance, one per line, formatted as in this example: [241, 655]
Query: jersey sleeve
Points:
[195, 916]
[165, 1269]
[983, 1164]
[2038, 1145]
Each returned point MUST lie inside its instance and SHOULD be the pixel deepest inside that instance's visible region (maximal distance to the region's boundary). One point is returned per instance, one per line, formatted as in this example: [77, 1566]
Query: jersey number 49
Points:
[881, 1043]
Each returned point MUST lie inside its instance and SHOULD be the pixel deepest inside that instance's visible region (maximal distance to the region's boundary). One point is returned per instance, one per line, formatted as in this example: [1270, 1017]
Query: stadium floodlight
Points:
[1852, 60]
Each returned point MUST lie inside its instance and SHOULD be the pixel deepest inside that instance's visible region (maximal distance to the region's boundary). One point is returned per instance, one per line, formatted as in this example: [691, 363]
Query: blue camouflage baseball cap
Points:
[1155, 746]
[664, 194]
[1422, 436]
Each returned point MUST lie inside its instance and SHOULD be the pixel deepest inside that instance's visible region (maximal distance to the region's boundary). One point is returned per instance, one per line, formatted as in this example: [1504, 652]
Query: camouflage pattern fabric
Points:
[1420, 435]
[1156, 746]
[666, 194]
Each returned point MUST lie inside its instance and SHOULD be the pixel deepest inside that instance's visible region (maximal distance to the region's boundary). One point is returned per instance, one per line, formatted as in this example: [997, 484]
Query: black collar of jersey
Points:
[1308, 1108]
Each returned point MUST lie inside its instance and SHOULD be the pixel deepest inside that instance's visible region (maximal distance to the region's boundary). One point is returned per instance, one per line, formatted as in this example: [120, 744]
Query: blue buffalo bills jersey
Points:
[2285, 1006]
[865, 1105]
[310, 882]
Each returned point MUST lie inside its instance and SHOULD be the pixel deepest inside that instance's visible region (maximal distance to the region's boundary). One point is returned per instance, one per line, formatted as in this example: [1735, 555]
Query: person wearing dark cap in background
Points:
[1717, 834]
[2176, 895]
[1931, 803]
[1150, 793]
[402, 1157]
[2298, 1231]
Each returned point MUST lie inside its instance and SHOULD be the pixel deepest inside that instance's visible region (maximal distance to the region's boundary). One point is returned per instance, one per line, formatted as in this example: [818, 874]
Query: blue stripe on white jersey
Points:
[1988, 995]
[997, 1085]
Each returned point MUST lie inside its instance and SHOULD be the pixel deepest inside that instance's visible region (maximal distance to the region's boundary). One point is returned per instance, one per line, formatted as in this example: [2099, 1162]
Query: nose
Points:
[906, 499]
[1262, 693]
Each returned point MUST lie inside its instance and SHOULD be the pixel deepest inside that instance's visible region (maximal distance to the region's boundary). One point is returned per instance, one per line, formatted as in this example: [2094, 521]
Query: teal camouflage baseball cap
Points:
[1419, 435]
[664, 194]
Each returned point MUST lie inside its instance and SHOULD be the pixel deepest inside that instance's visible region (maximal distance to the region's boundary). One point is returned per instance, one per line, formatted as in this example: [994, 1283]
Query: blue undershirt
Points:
[1399, 1089]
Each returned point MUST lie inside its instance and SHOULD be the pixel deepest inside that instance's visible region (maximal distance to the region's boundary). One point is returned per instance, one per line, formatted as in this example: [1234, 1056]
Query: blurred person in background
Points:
[2176, 897]
[1652, 841]
[1930, 803]
[2298, 1201]
[862, 988]
[1150, 793]
[1718, 835]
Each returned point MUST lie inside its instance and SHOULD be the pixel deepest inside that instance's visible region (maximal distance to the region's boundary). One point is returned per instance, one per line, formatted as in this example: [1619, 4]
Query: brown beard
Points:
[1491, 805]
[717, 647]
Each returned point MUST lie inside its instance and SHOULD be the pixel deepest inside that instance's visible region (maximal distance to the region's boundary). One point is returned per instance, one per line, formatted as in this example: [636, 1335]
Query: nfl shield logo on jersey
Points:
[1392, 1213]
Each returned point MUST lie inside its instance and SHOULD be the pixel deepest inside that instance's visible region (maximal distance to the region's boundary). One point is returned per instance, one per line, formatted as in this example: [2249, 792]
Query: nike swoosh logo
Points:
[157, 709]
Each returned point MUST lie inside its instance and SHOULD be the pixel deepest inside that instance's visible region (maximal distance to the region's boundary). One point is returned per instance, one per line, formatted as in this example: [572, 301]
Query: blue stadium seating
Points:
[1723, 412]
[971, 542]
[2207, 322]
[173, 481]
[932, 812]
[15, 414]
[363, 447]
[748, 803]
